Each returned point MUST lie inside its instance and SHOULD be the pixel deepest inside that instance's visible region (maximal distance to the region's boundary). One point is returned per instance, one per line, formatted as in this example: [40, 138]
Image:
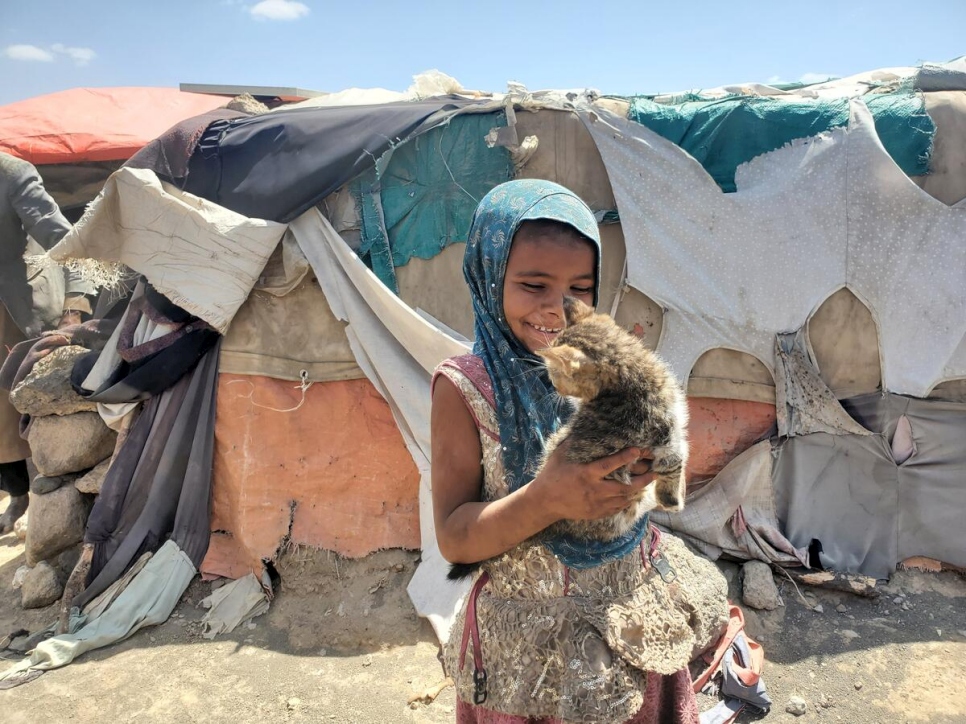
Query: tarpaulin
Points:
[724, 133]
[277, 165]
[807, 219]
[422, 197]
[95, 124]
[204, 258]
[870, 511]
[328, 472]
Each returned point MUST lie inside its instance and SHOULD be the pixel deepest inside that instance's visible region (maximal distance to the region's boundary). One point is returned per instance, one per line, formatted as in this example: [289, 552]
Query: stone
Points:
[92, 481]
[841, 608]
[69, 443]
[67, 559]
[20, 527]
[57, 522]
[41, 485]
[247, 103]
[18, 577]
[796, 706]
[41, 586]
[758, 587]
[47, 390]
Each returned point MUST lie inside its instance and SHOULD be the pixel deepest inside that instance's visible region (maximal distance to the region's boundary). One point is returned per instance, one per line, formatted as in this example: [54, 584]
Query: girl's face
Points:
[542, 269]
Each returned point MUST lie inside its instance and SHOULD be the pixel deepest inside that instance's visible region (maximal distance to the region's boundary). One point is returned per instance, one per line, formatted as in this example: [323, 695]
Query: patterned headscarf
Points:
[527, 407]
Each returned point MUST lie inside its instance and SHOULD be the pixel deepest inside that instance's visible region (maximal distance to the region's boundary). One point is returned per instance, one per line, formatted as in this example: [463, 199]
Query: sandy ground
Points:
[341, 643]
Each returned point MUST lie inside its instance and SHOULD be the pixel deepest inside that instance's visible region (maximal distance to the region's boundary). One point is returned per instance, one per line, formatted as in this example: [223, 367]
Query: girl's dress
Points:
[537, 641]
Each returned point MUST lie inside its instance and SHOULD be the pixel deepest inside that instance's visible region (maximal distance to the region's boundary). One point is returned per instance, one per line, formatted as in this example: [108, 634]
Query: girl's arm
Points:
[468, 530]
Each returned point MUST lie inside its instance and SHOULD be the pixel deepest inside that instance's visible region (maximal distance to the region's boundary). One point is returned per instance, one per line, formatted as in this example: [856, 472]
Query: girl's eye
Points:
[532, 287]
[582, 290]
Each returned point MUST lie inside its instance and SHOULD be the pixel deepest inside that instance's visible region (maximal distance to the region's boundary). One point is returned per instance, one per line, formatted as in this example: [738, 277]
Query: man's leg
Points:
[15, 480]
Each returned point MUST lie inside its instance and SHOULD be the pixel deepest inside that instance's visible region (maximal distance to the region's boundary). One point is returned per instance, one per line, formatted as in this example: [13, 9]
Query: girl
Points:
[554, 629]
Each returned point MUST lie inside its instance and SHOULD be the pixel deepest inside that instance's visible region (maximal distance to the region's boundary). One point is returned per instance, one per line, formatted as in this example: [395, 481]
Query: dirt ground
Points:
[341, 643]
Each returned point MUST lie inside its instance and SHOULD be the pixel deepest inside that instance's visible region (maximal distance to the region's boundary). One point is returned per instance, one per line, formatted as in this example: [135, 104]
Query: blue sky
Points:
[617, 47]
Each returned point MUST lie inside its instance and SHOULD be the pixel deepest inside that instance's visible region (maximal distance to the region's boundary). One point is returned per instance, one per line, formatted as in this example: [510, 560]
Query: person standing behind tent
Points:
[30, 302]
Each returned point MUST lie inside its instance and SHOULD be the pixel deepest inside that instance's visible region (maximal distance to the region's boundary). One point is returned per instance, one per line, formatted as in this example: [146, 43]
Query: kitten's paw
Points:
[671, 500]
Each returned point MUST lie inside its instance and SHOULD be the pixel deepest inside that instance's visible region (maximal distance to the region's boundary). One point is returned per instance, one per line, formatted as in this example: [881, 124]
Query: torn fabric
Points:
[869, 512]
[204, 258]
[232, 605]
[724, 133]
[147, 601]
[278, 165]
[422, 194]
[803, 402]
[398, 350]
[735, 513]
[159, 483]
[807, 219]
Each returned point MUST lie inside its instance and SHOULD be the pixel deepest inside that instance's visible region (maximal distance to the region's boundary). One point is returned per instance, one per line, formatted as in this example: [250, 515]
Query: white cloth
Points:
[201, 256]
[233, 604]
[735, 513]
[147, 601]
[733, 270]
[398, 350]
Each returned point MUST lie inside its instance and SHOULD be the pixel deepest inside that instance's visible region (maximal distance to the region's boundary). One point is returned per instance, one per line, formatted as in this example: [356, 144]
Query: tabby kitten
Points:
[626, 397]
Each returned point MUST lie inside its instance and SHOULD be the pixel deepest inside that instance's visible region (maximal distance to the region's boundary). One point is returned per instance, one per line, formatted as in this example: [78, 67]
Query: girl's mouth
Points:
[546, 330]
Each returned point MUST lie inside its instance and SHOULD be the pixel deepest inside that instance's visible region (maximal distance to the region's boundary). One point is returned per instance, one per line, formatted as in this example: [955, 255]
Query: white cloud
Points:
[80, 56]
[28, 52]
[774, 79]
[809, 78]
[279, 10]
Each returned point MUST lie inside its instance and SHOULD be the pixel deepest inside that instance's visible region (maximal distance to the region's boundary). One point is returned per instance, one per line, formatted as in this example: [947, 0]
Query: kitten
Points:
[626, 397]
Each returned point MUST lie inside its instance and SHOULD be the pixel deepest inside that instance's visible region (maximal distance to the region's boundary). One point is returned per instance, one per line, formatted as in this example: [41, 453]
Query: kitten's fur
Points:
[626, 397]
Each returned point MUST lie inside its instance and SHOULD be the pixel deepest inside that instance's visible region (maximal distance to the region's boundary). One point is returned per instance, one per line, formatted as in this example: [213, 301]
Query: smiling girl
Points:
[555, 629]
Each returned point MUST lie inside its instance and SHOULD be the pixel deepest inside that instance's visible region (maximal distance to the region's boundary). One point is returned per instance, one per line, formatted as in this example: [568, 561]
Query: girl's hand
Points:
[643, 464]
[581, 492]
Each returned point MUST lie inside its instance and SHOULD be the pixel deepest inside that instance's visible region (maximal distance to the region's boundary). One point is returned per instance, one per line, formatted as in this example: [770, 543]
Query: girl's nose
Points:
[554, 305]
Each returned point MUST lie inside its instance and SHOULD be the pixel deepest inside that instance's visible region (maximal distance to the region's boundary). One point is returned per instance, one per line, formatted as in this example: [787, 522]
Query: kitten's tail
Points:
[459, 571]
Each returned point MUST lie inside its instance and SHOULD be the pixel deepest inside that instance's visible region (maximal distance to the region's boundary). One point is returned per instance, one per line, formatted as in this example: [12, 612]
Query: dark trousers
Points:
[14, 478]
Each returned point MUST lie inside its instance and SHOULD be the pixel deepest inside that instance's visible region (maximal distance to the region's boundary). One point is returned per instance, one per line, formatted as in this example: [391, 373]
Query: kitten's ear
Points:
[566, 359]
[572, 372]
[575, 310]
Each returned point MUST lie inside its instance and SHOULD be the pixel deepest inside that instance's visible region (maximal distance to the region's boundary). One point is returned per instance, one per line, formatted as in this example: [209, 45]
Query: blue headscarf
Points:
[527, 407]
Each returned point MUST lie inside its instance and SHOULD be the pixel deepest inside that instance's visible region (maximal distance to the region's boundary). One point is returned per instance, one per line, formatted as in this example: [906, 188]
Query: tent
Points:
[95, 124]
[79, 137]
[823, 408]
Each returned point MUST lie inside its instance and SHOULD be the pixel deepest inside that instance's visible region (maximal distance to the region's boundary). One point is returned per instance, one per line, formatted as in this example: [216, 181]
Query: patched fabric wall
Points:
[329, 472]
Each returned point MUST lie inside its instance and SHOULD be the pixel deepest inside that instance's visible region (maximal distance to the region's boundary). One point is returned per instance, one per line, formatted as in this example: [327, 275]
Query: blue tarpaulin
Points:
[421, 196]
[723, 134]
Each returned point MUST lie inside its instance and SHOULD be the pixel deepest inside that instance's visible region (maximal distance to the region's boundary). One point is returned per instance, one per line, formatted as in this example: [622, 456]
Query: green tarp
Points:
[722, 134]
[421, 195]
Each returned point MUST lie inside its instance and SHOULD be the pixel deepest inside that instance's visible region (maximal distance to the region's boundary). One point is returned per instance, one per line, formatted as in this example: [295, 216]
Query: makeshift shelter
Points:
[792, 304]
[79, 137]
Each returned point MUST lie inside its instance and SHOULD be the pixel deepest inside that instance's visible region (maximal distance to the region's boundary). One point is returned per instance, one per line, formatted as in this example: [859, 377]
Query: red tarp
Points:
[330, 473]
[95, 124]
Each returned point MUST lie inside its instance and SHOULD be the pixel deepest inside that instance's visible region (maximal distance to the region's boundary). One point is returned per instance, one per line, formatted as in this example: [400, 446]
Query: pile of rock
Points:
[71, 449]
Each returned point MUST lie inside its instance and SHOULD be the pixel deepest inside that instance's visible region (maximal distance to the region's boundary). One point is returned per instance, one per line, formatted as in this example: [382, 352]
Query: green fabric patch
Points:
[722, 134]
[422, 194]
